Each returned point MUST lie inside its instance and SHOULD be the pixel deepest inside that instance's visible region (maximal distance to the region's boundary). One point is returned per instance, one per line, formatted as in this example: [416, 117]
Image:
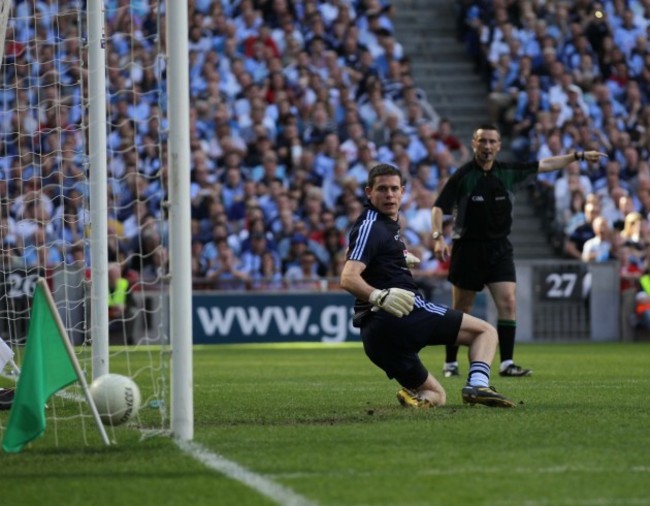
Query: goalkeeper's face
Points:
[386, 194]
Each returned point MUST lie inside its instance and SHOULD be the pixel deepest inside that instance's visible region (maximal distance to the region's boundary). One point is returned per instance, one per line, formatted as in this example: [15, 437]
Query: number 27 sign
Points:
[562, 282]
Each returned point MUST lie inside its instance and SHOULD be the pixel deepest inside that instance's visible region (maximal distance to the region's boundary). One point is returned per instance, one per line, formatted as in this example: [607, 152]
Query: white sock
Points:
[479, 374]
[505, 364]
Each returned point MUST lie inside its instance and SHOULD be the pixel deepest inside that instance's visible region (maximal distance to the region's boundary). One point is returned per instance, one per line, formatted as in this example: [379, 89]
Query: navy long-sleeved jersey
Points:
[375, 241]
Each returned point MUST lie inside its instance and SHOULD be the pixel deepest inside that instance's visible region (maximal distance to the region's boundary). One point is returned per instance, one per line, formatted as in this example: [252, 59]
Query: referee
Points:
[395, 321]
[479, 195]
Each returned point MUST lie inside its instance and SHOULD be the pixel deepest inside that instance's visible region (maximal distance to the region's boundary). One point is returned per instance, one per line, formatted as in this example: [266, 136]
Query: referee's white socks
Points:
[505, 364]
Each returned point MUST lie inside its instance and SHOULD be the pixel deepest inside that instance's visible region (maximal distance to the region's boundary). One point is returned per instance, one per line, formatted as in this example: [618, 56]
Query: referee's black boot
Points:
[514, 371]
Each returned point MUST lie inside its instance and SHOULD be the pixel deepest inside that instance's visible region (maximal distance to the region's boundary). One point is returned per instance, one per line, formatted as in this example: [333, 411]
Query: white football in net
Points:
[117, 398]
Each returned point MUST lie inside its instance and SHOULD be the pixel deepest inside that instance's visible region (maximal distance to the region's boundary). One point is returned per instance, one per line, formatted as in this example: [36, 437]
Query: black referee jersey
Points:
[481, 201]
[375, 241]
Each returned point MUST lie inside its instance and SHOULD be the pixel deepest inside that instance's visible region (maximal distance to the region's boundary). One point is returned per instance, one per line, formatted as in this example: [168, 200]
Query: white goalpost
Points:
[180, 223]
[4, 17]
[95, 163]
[98, 187]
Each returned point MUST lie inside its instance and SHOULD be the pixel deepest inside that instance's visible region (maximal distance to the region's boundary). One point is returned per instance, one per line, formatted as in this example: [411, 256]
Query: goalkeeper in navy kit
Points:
[395, 321]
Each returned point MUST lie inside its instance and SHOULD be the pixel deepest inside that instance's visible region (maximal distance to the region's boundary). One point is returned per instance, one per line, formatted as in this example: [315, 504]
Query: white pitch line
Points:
[268, 488]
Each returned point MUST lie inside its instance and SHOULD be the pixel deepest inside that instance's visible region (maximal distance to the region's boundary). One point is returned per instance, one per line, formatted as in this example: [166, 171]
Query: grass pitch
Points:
[323, 422]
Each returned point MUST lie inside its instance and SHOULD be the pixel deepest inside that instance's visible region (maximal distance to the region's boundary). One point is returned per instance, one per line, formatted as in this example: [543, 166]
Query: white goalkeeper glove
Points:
[395, 301]
[411, 259]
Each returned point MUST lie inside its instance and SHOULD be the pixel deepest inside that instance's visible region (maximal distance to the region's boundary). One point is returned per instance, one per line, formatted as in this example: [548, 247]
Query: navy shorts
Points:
[393, 343]
[475, 264]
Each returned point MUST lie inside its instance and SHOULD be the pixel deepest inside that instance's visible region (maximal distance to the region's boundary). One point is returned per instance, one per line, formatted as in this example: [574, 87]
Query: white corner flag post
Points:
[73, 359]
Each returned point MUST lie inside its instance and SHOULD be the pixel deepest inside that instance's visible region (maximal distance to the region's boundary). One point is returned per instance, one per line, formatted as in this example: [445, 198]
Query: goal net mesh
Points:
[44, 193]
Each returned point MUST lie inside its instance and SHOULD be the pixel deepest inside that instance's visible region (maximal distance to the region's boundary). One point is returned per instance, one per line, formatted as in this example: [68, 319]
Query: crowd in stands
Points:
[567, 77]
[292, 102]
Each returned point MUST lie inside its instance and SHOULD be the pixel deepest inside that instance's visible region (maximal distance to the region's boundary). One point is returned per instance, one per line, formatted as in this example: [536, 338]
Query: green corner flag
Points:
[46, 369]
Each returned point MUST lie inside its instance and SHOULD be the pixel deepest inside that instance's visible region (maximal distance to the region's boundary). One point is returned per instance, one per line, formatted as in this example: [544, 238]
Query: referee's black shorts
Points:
[393, 343]
[475, 264]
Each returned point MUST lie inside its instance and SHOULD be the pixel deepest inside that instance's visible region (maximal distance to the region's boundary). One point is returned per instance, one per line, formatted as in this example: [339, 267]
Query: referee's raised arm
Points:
[559, 162]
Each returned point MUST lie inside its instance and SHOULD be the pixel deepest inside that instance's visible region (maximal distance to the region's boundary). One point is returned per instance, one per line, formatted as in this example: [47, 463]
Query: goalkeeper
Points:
[395, 321]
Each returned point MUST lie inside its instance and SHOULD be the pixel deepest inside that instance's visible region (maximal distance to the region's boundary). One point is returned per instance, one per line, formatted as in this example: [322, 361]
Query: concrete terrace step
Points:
[533, 236]
[523, 210]
[438, 8]
[462, 67]
[446, 49]
[532, 252]
[424, 5]
[528, 225]
[464, 115]
[519, 243]
[442, 82]
[472, 118]
[450, 93]
[433, 56]
[461, 97]
[432, 29]
[450, 80]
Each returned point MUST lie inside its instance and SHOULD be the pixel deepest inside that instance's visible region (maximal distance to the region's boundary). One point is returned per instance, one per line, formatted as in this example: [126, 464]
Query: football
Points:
[116, 397]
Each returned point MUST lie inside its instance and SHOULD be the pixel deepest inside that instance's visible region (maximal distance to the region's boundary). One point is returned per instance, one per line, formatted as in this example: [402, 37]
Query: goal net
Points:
[49, 179]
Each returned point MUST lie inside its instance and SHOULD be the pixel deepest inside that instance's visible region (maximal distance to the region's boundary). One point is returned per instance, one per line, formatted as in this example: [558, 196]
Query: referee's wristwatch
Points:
[437, 235]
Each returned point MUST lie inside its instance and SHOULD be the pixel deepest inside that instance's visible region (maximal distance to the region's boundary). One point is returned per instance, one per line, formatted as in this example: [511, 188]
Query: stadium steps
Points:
[441, 67]
[528, 236]
[427, 31]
